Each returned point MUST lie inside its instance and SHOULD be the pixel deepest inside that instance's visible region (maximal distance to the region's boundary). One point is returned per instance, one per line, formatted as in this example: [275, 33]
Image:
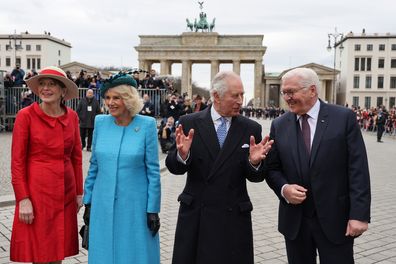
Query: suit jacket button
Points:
[229, 209]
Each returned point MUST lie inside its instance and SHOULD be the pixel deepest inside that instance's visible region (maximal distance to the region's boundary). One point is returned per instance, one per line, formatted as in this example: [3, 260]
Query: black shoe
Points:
[380, 141]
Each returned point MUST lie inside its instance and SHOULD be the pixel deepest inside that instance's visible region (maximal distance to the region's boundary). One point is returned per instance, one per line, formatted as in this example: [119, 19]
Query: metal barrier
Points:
[14, 101]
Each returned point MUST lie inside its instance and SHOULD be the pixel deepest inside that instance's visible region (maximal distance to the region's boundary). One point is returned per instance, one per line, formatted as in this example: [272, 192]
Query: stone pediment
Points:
[321, 70]
[75, 68]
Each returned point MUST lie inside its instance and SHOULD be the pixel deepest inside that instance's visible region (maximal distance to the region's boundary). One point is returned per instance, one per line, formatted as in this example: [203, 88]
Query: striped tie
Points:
[222, 131]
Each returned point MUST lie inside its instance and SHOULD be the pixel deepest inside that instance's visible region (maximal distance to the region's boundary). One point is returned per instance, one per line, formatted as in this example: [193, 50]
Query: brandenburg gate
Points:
[203, 47]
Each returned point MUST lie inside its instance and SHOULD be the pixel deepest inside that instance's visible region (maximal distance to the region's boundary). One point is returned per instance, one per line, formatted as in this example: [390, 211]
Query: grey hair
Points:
[219, 83]
[132, 100]
[307, 77]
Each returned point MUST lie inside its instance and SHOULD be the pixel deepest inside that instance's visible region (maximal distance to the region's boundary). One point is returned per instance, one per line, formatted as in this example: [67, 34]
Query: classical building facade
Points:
[272, 83]
[75, 67]
[32, 51]
[367, 66]
[203, 47]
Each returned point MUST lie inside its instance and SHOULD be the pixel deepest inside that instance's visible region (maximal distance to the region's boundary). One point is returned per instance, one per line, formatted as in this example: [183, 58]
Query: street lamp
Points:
[16, 46]
[336, 37]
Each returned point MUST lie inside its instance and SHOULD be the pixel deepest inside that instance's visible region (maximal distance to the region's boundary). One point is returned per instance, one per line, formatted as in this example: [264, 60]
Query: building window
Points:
[28, 47]
[59, 53]
[381, 63]
[381, 47]
[380, 82]
[362, 64]
[356, 64]
[59, 62]
[8, 47]
[38, 63]
[28, 65]
[393, 82]
[357, 47]
[367, 102]
[368, 64]
[393, 46]
[392, 101]
[38, 47]
[393, 63]
[355, 101]
[34, 63]
[8, 62]
[368, 81]
[18, 61]
[380, 101]
[369, 47]
[356, 81]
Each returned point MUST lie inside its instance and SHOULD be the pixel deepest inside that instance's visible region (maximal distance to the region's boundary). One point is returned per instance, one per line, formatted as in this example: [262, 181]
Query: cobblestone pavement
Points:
[377, 245]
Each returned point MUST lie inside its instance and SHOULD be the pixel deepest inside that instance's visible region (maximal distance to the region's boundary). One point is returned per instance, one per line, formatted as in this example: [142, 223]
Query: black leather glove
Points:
[153, 223]
[87, 213]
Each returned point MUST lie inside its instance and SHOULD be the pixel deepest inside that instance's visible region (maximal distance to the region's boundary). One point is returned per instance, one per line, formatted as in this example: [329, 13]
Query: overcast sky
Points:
[104, 33]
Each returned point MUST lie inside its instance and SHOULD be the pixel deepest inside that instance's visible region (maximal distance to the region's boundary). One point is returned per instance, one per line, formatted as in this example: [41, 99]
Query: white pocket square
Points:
[245, 146]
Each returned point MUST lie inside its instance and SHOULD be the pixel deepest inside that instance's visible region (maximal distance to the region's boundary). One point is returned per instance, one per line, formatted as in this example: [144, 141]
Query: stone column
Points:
[236, 66]
[322, 90]
[143, 65]
[148, 65]
[267, 97]
[186, 86]
[164, 67]
[214, 69]
[258, 72]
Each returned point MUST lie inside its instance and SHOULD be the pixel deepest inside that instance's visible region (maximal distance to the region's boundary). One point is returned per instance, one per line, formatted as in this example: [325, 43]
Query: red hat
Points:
[57, 74]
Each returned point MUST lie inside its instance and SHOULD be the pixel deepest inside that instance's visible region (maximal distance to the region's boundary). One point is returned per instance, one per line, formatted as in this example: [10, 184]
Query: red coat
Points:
[46, 166]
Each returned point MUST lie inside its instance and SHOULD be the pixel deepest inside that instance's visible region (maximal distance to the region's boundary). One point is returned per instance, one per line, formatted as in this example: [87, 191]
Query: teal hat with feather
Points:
[116, 80]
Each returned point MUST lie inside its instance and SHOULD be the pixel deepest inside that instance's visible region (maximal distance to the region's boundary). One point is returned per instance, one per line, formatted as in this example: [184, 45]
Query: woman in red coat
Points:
[46, 166]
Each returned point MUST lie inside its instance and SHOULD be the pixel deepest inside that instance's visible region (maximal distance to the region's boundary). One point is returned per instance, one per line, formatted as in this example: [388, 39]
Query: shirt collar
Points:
[314, 111]
[216, 116]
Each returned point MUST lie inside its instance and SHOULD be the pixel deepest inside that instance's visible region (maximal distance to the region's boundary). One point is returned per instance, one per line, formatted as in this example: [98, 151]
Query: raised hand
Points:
[183, 142]
[258, 152]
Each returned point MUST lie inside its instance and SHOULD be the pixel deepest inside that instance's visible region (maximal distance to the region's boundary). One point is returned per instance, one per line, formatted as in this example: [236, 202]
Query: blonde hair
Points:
[132, 100]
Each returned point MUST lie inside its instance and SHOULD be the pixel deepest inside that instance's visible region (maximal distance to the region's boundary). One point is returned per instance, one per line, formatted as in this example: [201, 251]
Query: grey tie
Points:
[306, 132]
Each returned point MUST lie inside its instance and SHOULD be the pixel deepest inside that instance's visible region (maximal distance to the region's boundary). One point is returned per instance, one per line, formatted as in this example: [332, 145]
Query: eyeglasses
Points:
[290, 93]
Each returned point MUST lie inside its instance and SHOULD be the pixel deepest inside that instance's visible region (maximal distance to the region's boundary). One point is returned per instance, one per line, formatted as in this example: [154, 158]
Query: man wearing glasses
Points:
[318, 168]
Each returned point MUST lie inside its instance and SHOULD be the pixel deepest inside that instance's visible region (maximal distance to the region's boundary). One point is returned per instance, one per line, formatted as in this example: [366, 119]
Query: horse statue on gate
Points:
[202, 23]
[190, 25]
[212, 25]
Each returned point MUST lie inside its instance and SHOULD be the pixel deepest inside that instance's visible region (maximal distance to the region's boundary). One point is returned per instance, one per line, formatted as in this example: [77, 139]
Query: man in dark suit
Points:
[219, 150]
[318, 168]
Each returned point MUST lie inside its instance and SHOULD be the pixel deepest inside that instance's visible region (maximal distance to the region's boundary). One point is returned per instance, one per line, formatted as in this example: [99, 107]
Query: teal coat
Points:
[122, 185]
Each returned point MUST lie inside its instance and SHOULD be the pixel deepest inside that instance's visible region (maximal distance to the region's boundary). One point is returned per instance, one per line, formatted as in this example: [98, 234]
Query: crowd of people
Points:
[378, 120]
[324, 205]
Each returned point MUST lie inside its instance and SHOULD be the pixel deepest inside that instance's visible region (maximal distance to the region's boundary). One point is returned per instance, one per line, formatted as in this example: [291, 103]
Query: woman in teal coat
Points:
[122, 190]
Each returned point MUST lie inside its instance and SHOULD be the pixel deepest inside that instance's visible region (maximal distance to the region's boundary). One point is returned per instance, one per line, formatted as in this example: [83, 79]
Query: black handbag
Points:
[84, 233]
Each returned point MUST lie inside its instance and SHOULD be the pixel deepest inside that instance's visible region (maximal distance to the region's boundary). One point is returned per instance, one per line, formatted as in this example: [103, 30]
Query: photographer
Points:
[174, 107]
[81, 82]
[166, 135]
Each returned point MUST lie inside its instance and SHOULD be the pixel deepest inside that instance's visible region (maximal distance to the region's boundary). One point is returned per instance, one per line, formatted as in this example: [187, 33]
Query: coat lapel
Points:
[232, 141]
[321, 126]
[206, 130]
